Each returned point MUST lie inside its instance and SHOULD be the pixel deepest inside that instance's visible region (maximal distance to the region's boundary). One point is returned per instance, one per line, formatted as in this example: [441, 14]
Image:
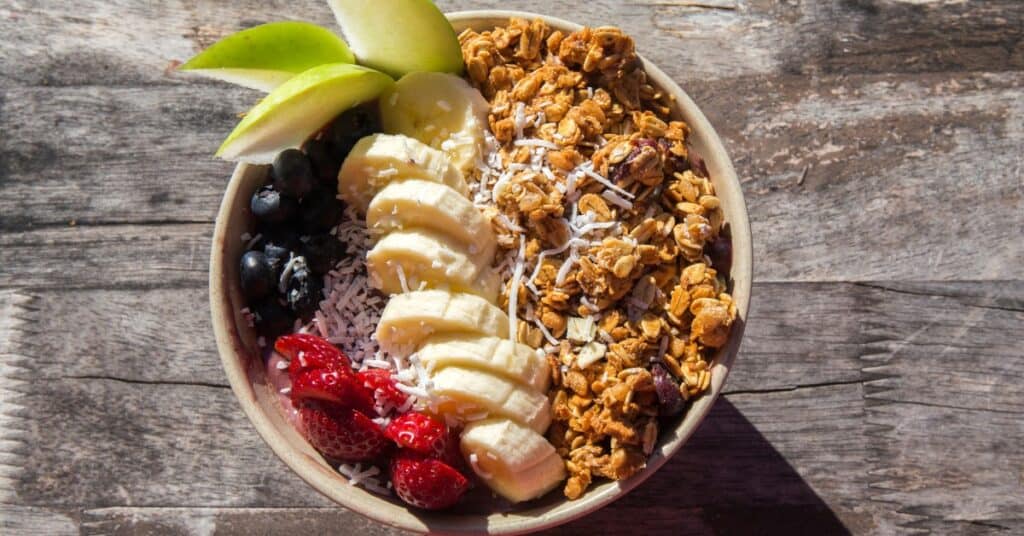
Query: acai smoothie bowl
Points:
[481, 272]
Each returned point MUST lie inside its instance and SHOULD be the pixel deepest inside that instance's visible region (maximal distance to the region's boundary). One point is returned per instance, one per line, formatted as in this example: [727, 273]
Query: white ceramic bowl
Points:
[236, 343]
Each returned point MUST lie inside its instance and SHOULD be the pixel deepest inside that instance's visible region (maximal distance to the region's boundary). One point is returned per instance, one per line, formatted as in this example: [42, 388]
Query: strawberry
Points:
[383, 386]
[332, 386]
[341, 433]
[419, 432]
[311, 352]
[425, 482]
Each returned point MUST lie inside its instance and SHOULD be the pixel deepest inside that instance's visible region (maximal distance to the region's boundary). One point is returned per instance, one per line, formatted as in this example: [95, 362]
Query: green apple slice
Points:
[399, 36]
[266, 56]
[290, 114]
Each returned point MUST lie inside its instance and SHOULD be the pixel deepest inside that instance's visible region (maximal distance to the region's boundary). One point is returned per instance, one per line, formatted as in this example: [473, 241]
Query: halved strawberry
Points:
[341, 433]
[311, 352]
[425, 482]
[383, 386]
[332, 386]
[419, 432]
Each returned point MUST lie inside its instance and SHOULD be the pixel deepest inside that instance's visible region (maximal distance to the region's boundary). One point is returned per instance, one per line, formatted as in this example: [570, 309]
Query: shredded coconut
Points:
[401, 277]
[513, 298]
[615, 199]
[474, 461]
[535, 142]
[588, 169]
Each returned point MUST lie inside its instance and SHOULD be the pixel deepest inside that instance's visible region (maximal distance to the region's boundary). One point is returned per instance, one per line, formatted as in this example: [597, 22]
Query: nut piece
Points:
[581, 330]
[591, 353]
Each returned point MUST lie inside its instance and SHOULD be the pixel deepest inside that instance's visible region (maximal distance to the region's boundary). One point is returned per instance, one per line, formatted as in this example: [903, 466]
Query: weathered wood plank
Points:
[101, 442]
[918, 148]
[798, 334]
[880, 142]
[1007, 295]
[31, 521]
[793, 440]
[106, 155]
[874, 179]
[163, 335]
[123, 256]
[160, 335]
[949, 364]
[711, 38]
[974, 478]
[932, 352]
[15, 311]
[720, 495]
[229, 521]
[912, 140]
[189, 447]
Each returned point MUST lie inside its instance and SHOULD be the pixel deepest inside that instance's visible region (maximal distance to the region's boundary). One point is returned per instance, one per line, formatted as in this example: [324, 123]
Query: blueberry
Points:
[326, 164]
[278, 247]
[305, 291]
[350, 126]
[320, 211]
[293, 173]
[256, 275]
[272, 319]
[270, 206]
[322, 252]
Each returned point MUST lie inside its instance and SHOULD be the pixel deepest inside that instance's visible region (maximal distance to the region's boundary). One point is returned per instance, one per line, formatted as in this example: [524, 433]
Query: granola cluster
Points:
[605, 217]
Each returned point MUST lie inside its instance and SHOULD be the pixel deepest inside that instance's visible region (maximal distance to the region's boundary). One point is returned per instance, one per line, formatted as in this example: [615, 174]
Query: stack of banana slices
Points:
[433, 252]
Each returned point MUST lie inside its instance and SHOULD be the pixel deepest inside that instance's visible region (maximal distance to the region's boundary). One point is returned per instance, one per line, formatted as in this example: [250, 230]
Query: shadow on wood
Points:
[727, 479]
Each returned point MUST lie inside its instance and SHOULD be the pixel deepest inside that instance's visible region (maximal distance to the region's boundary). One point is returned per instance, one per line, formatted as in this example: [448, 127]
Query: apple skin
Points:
[265, 56]
[297, 109]
[399, 37]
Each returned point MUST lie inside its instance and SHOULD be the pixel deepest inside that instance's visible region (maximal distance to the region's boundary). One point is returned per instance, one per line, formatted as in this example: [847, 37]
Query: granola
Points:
[595, 195]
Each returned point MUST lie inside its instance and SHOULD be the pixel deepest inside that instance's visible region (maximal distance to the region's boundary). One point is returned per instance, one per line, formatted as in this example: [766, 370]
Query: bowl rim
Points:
[224, 309]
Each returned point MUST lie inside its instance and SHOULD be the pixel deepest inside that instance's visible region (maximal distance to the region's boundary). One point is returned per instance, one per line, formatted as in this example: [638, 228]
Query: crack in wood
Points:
[988, 524]
[134, 381]
[699, 5]
[126, 287]
[20, 226]
[884, 288]
[887, 401]
[791, 389]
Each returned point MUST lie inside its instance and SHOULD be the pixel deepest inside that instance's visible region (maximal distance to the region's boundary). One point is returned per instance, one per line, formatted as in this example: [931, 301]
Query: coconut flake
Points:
[617, 200]
[535, 142]
[474, 461]
[588, 170]
[513, 298]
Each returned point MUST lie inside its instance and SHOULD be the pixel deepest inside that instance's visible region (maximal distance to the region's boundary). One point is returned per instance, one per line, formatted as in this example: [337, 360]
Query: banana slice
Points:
[379, 159]
[517, 362]
[419, 203]
[470, 391]
[409, 318]
[423, 256]
[513, 460]
[441, 110]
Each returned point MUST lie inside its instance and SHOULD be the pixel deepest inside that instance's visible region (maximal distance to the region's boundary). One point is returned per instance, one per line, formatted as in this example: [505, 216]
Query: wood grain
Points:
[861, 159]
[105, 256]
[125, 334]
[715, 39]
[878, 391]
[805, 430]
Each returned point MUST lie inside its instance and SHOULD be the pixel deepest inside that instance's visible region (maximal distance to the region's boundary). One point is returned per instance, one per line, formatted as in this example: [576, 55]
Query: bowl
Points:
[236, 343]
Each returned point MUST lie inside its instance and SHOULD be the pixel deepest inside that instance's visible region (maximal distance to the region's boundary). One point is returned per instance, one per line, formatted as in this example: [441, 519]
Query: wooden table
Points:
[880, 388]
